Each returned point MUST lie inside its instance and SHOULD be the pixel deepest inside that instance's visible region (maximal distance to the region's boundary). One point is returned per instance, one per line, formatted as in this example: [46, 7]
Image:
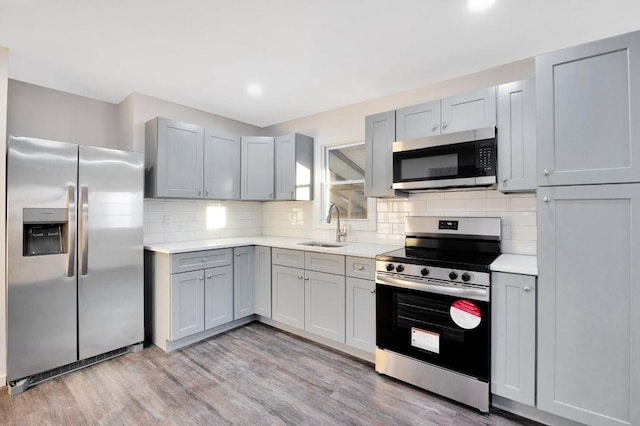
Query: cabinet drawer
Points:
[360, 267]
[192, 261]
[321, 262]
[285, 257]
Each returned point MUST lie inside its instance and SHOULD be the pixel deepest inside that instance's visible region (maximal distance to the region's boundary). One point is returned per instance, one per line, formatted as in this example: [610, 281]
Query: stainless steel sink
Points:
[321, 244]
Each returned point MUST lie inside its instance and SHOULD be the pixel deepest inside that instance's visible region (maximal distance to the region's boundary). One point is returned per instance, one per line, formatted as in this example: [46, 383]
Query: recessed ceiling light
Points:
[478, 5]
[254, 90]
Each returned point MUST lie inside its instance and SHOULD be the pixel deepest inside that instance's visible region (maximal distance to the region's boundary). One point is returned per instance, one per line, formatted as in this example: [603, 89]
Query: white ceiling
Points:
[309, 55]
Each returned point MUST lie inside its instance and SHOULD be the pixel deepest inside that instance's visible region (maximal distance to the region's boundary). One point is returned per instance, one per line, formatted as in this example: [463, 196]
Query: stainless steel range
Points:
[433, 307]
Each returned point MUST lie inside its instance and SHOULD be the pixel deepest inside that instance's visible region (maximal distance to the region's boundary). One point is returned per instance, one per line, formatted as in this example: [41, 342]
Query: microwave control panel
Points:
[486, 157]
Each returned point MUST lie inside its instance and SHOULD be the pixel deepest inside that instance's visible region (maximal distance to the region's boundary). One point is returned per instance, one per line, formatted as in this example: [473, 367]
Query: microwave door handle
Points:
[479, 294]
[71, 230]
[84, 230]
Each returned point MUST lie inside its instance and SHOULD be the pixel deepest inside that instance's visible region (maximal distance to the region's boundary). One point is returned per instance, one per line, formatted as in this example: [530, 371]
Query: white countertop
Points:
[516, 264]
[348, 249]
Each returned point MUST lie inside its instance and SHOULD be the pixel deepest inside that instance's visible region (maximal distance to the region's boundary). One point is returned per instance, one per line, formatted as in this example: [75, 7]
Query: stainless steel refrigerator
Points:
[74, 256]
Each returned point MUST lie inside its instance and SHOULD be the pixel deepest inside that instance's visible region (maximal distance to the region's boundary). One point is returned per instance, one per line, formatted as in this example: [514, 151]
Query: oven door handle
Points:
[470, 293]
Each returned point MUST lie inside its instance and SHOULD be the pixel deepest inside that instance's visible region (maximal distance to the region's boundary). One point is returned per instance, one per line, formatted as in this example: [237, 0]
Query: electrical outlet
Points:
[167, 221]
[293, 218]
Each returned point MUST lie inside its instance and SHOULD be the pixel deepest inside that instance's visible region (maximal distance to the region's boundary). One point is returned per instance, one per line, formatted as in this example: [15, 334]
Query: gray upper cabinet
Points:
[221, 166]
[589, 303]
[243, 287]
[517, 136]
[294, 167]
[513, 337]
[588, 104]
[187, 161]
[468, 111]
[418, 121]
[257, 168]
[380, 133]
[173, 159]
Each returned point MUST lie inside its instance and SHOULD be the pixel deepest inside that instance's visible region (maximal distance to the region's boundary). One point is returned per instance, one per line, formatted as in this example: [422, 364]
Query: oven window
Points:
[429, 167]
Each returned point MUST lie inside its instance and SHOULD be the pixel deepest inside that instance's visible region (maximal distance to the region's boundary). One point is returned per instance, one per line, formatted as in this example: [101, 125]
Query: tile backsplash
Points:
[518, 213]
[179, 220]
[182, 220]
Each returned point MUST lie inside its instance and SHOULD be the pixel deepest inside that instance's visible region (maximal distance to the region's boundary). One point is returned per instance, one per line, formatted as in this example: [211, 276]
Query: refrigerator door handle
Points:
[71, 226]
[84, 229]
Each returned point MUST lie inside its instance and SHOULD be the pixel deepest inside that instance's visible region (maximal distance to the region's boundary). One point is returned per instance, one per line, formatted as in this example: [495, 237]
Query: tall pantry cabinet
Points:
[589, 231]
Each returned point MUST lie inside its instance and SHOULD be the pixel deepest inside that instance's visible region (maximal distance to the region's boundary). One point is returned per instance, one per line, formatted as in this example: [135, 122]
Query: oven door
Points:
[460, 164]
[450, 331]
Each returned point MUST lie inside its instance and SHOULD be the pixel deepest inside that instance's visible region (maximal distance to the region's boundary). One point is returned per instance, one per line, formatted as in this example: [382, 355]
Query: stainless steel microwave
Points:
[455, 159]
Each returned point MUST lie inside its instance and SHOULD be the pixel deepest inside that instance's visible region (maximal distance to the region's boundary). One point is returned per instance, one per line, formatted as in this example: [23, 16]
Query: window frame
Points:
[368, 224]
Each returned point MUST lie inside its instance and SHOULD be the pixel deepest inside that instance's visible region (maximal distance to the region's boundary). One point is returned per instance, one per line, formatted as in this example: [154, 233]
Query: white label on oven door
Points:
[426, 340]
[465, 314]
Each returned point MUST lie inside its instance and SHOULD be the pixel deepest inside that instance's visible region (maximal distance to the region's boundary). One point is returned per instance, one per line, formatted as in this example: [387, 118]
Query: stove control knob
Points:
[399, 268]
[390, 267]
[453, 275]
[424, 272]
[466, 277]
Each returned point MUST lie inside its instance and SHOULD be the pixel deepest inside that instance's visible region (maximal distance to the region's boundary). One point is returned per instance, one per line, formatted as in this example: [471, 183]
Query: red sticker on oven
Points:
[465, 314]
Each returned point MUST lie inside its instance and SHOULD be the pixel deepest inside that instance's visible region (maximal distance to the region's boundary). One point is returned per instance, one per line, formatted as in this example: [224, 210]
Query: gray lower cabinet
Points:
[588, 104]
[187, 304]
[262, 280]
[218, 296]
[517, 169]
[243, 287]
[287, 304]
[294, 167]
[589, 303]
[380, 133]
[324, 305]
[360, 303]
[257, 159]
[361, 314]
[513, 337]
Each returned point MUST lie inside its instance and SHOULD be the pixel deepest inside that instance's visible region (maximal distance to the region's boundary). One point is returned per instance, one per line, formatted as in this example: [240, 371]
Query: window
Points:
[344, 181]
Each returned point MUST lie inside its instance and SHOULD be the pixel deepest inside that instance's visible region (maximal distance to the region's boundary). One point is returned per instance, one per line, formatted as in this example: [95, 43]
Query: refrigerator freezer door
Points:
[110, 250]
[41, 291]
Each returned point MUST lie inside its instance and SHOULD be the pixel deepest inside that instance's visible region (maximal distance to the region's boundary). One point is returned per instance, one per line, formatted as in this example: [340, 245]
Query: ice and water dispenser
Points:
[44, 231]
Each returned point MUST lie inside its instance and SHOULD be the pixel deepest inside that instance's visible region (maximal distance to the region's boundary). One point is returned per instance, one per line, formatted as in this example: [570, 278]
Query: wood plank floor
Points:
[254, 375]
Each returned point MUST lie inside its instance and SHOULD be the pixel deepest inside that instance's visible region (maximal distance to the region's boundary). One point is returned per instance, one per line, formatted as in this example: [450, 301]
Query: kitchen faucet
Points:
[340, 232]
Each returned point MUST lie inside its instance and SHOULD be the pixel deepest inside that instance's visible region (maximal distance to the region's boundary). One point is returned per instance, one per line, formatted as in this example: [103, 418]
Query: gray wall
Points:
[4, 77]
[137, 109]
[39, 112]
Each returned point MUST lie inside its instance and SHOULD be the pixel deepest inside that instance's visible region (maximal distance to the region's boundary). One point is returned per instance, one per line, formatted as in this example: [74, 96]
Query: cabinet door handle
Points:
[444, 125]
[237, 254]
[204, 259]
[209, 276]
[360, 268]
[545, 172]
[201, 278]
[299, 277]
[504, 179]
[291, 193]
[199, 191]
[206, 192]
[526, 288]
[306, 278]
[546, 199]
[434, 127]
[372, 291]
